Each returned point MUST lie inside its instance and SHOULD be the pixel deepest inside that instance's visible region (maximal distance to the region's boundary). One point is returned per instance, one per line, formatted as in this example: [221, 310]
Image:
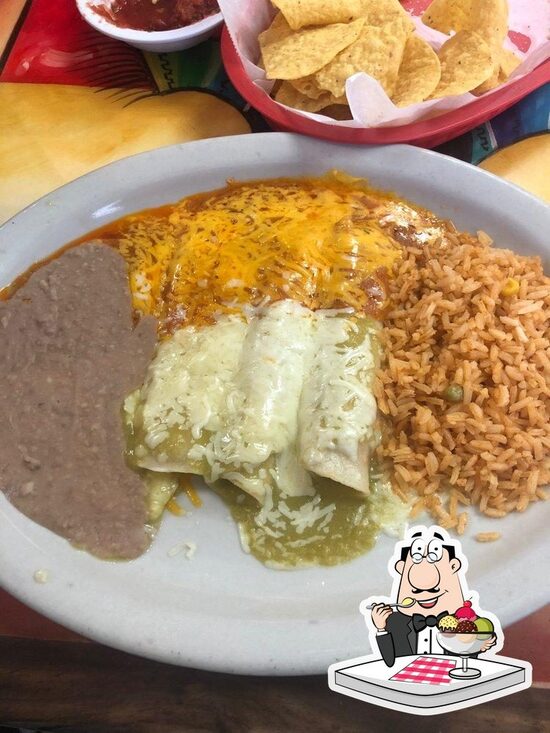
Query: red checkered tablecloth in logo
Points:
[427, 670]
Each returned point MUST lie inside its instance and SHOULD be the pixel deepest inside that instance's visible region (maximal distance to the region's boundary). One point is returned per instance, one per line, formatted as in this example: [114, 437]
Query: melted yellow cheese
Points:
[312, 244]
[316, 241]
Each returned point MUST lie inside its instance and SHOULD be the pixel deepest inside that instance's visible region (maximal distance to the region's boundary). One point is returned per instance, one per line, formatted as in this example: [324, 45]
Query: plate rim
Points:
[462, 164]
[33, 599]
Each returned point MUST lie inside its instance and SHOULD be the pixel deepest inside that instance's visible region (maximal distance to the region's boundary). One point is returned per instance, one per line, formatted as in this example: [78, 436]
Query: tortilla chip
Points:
[466, 62]
[378, 12]
[289, 54]
[378, 52]
[491, 83]
[300, 13]
[447, 15]
[509, 62]
[291, 97]
[308, 86]
[506, 62]
[277, 31]
[489, 18]
[419, 73]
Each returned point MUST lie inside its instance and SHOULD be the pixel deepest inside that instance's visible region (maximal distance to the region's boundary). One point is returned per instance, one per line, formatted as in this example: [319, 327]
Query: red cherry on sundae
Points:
[466, 612]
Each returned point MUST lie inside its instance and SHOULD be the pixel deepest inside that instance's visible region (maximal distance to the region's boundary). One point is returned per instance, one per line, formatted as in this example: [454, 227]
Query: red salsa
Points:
[156, 15]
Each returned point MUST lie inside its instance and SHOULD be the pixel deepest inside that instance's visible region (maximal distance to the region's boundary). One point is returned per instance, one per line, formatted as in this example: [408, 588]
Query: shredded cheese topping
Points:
[316, 241]
[261, 400]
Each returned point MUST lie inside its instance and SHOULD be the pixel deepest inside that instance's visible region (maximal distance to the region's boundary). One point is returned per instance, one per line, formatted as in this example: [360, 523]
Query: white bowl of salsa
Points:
[154, 25]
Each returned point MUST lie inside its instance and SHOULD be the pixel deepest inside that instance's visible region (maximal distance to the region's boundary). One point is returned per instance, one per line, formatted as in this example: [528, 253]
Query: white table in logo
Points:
[369, 679]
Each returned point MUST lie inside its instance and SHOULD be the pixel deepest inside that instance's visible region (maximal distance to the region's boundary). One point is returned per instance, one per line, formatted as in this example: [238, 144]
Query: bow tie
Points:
[420, 622]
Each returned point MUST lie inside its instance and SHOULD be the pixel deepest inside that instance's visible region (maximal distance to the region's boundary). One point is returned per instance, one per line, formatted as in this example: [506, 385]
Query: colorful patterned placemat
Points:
[73, 100]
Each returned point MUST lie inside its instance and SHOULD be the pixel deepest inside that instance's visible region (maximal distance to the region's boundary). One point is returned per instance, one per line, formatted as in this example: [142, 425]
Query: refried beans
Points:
[70, 354]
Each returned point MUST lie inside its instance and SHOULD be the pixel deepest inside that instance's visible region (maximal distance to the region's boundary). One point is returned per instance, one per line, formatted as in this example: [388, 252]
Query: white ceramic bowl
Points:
[223, 610]
[157, 41]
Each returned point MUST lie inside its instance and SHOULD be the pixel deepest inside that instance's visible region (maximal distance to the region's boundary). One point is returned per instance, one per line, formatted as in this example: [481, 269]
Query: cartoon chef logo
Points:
[435, 648]
[431, 599]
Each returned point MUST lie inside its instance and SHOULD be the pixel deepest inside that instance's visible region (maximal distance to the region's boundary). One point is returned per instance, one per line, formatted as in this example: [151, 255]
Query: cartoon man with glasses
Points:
[429, 586]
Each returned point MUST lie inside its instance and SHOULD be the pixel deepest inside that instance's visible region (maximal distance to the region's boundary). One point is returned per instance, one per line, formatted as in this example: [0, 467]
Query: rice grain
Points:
[450, 323]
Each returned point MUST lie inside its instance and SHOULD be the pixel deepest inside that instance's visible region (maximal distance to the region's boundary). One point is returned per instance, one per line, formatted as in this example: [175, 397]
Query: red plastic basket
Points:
[427, 133]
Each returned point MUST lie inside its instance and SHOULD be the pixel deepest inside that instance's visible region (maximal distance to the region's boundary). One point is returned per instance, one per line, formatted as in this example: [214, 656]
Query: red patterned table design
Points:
[427, 671]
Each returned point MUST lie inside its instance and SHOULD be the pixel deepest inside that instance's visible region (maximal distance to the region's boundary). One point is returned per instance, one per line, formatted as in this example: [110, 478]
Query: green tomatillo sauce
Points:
[335, 525]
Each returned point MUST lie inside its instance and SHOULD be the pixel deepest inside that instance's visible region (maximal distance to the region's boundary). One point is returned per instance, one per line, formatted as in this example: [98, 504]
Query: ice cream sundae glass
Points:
[464, 634]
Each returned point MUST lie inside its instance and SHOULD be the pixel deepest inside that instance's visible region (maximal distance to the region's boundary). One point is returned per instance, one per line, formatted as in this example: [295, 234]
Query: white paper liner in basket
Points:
[369, 104]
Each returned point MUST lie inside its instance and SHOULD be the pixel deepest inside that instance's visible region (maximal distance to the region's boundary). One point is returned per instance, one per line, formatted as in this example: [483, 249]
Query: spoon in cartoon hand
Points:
[407, 603]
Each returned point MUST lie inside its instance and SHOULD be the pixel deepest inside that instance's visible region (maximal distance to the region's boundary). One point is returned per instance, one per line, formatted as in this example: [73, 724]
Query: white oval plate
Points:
[222, 610]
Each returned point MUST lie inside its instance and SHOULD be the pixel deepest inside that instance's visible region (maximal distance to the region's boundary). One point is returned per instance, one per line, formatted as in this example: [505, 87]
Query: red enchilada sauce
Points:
[156, 15]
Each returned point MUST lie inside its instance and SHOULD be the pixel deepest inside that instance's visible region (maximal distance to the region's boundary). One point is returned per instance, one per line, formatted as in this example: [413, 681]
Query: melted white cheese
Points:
[261, 402]
[337, 408]
[270, 378]
[290, 475]
[189, 381]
